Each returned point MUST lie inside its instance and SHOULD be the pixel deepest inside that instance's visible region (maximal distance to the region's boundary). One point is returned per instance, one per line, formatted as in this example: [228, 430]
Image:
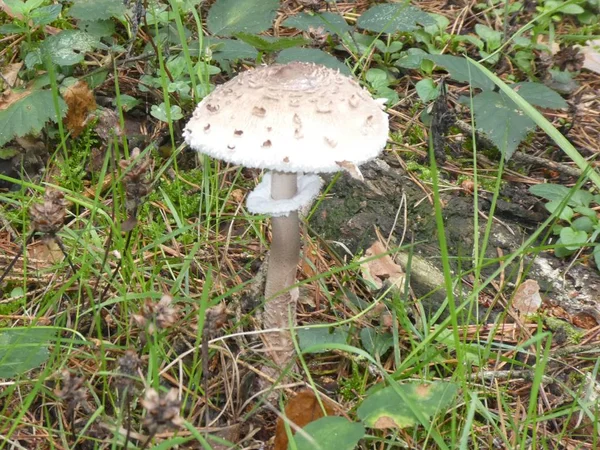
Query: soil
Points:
[351, 217]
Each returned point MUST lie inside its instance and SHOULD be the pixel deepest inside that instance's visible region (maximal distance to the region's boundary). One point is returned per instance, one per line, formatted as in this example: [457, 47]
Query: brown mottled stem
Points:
[281, 272]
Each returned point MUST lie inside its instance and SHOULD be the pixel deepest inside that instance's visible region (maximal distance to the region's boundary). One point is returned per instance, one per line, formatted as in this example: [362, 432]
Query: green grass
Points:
[195, 241]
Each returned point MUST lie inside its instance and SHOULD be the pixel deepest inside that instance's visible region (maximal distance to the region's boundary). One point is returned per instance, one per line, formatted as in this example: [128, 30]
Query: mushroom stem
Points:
[280, 307]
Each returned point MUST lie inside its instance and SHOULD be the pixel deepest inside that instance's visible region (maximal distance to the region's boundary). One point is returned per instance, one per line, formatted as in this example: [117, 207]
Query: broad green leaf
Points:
[17, 292]
[441, 23]
[97, 28]
[427, 90]
[391, 18]
[583, 223]
[331, 22]
[231, 50]
[312, 55]
[28, 115]
[176, 66]
[385, 408]
[539, 95]
[581, 198]
[271, 44]
[46, 14]
[228, 17]
[127, 102]
[160, 112]
[377, 343]
[560, 251]
[557, 193]
[377, 77]
[97, 9]
[412, 59]
[23, 349]
[543, 123]
[566, 213]
[69, 47]
[330, 433]
[562, 81]
[460, 70]
[492, 37]
[12, 28]
[566, 9]
[501, 120]
[307, 337]
[549, 191]
[16, 6]
[357, 43]
[587, 212]
[597, 256]
[30, 5]
[573, 239]
[33, 58]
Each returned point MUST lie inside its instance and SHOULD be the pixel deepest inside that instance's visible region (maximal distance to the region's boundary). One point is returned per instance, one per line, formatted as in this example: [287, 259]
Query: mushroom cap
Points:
[296, 117]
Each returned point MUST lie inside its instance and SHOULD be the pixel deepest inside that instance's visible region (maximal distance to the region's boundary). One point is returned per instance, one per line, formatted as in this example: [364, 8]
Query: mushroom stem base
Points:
[280, 300]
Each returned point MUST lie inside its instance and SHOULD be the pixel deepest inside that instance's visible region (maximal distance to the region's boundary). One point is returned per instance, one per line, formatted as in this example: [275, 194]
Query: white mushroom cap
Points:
[296, 117]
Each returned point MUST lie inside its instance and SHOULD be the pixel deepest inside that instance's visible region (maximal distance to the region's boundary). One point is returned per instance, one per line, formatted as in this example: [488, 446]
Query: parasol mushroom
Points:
[296, 120]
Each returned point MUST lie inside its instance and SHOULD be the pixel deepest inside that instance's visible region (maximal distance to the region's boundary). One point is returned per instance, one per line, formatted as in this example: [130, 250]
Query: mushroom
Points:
[296, 120]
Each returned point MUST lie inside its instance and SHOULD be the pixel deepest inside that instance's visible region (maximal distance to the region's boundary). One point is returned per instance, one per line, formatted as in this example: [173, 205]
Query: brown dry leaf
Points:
[44, 254]
[237, 195]
[302, 409]
[81, 102]
[385, 423]
[527, 299]
[585, 321]
[352, 169]
[108, 125]
[9, 97]
[591, 53]
[4, 7]
[554, 48]
[11, 73]
[382, 268]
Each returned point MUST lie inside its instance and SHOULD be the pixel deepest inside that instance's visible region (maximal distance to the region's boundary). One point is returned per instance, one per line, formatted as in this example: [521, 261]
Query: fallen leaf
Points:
[527, 299]
[10, 97]
[585, 321]
[44, 253]
[11, 73]
[380, 269]
[4, 7]
[108, 125]
[81, 102]
[591, 54]
[301, 410]
[352, 169]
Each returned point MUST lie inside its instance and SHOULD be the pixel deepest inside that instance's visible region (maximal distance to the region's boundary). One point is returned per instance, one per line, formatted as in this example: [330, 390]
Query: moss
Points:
[349, 386]
[574, 336]
[10, 308]
[424, 172]
[73, 167]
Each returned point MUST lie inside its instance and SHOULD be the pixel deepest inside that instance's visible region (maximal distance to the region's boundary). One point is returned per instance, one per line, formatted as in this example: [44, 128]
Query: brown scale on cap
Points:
[325, 108]
[331, 142]
[259, 111]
